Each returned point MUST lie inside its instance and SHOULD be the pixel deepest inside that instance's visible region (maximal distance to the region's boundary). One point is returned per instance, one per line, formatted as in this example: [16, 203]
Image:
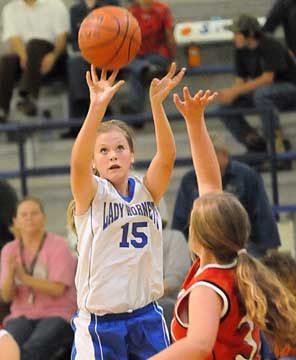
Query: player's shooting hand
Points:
[192, 107]
[160, 88]
[102, 90]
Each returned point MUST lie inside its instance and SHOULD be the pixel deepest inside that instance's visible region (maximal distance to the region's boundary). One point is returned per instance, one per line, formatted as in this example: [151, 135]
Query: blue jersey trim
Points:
[131, 187]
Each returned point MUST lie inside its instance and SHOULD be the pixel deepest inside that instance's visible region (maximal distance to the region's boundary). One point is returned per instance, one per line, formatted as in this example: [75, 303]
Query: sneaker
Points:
[3, 116]
[255, 143]
[27, 106]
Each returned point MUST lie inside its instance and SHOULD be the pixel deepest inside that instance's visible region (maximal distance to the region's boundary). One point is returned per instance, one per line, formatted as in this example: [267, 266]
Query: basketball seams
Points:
[131, 41]
[122, 42]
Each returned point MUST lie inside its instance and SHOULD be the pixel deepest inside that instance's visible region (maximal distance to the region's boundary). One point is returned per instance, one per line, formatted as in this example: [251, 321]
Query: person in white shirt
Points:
[35, 35]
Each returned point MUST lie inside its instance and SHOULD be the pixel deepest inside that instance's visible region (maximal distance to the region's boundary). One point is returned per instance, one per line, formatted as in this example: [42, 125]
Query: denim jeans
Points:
[268, 99]
[40, 339]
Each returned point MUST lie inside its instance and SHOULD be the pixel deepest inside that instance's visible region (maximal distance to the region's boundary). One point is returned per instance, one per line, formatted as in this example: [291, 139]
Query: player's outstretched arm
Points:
[160, 169]
[82, 183]
[203, 154]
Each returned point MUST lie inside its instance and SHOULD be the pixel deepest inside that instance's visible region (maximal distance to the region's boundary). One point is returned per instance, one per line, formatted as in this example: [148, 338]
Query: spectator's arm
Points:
[17, 46]
[51, 288]
[251, 85]
[171, 42]
[7, 287]
[60, 45]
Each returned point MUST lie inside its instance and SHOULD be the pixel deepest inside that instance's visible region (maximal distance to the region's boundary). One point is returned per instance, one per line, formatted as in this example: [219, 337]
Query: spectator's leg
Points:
[50, 335]
[20, 328]
[240, 128]
[31, 78]
[9, 72]
[158, 67]
[269, 99]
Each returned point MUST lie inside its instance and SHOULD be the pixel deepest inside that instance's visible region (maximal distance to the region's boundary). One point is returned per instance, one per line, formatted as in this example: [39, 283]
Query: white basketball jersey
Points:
[120, 263]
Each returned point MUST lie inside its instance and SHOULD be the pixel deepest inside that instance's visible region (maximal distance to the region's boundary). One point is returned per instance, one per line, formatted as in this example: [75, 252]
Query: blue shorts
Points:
[126, 336]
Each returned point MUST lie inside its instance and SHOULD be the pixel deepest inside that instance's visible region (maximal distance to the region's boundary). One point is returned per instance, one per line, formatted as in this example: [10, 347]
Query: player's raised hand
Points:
[192, 107]
[102, 90]
[160, 88]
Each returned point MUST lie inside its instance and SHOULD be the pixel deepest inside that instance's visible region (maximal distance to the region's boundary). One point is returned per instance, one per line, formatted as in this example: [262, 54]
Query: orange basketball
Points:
[109, 37]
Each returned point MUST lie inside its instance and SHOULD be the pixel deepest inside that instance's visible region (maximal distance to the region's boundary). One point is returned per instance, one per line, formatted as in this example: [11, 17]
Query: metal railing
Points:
[23, 131]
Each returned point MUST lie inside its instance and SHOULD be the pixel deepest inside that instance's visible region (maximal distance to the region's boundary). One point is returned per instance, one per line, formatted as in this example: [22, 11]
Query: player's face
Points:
[113, 157]
[29, 217]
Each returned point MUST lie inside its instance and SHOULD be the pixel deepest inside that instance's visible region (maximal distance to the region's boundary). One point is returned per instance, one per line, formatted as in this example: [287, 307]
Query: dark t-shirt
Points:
[270, 55]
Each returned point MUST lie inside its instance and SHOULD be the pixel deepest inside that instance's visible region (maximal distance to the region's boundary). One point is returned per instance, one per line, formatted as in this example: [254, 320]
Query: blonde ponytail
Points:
[269, 304]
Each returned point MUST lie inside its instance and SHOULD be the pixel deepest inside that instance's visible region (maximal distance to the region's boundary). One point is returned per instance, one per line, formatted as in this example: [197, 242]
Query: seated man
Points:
[266, 79]
[242, 181]
[36, 33]
[157, 51]
[77, 66]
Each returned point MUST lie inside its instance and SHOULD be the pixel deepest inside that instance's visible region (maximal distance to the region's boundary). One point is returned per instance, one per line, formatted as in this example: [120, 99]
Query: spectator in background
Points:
[284, 265]
[283, 13]
[242, 181]
[156, 53]
[8, 202]
[266, 79]
[176, 263]
[36, 33]
[9, 349]
[77, 66]
[37, 277]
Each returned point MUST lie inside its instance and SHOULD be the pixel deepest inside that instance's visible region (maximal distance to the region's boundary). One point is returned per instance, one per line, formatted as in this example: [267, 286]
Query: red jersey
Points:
[238, 338]
[153, 22]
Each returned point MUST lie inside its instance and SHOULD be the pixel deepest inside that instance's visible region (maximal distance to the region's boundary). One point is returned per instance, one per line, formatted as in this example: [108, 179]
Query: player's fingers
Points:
[198, 95]
[113, 76]
[177, 79]
[94, 75]
[88, 79]
[177, 101]
[172, 70]
[118, 85]
[213, 96]
[186, 94]
[206, 95]
[103, 74]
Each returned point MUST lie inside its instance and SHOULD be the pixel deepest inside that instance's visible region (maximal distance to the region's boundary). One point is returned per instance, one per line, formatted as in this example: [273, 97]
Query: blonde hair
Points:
[122, 126]
[282, 264]
[70, 216]
[220, 223]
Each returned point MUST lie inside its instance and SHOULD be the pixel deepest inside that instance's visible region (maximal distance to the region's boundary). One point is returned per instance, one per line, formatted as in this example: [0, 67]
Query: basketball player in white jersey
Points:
[9, 349]
[119, 275]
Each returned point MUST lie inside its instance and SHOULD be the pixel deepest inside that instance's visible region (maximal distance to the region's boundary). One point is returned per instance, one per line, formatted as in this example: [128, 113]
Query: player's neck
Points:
[206, 258]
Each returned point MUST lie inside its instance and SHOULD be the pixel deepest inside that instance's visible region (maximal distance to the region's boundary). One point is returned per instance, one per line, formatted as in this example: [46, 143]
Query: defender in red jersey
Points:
[227, 295]
[237, 335]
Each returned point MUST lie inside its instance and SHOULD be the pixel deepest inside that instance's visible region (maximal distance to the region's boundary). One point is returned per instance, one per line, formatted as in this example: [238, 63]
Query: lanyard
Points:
[31, 267]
